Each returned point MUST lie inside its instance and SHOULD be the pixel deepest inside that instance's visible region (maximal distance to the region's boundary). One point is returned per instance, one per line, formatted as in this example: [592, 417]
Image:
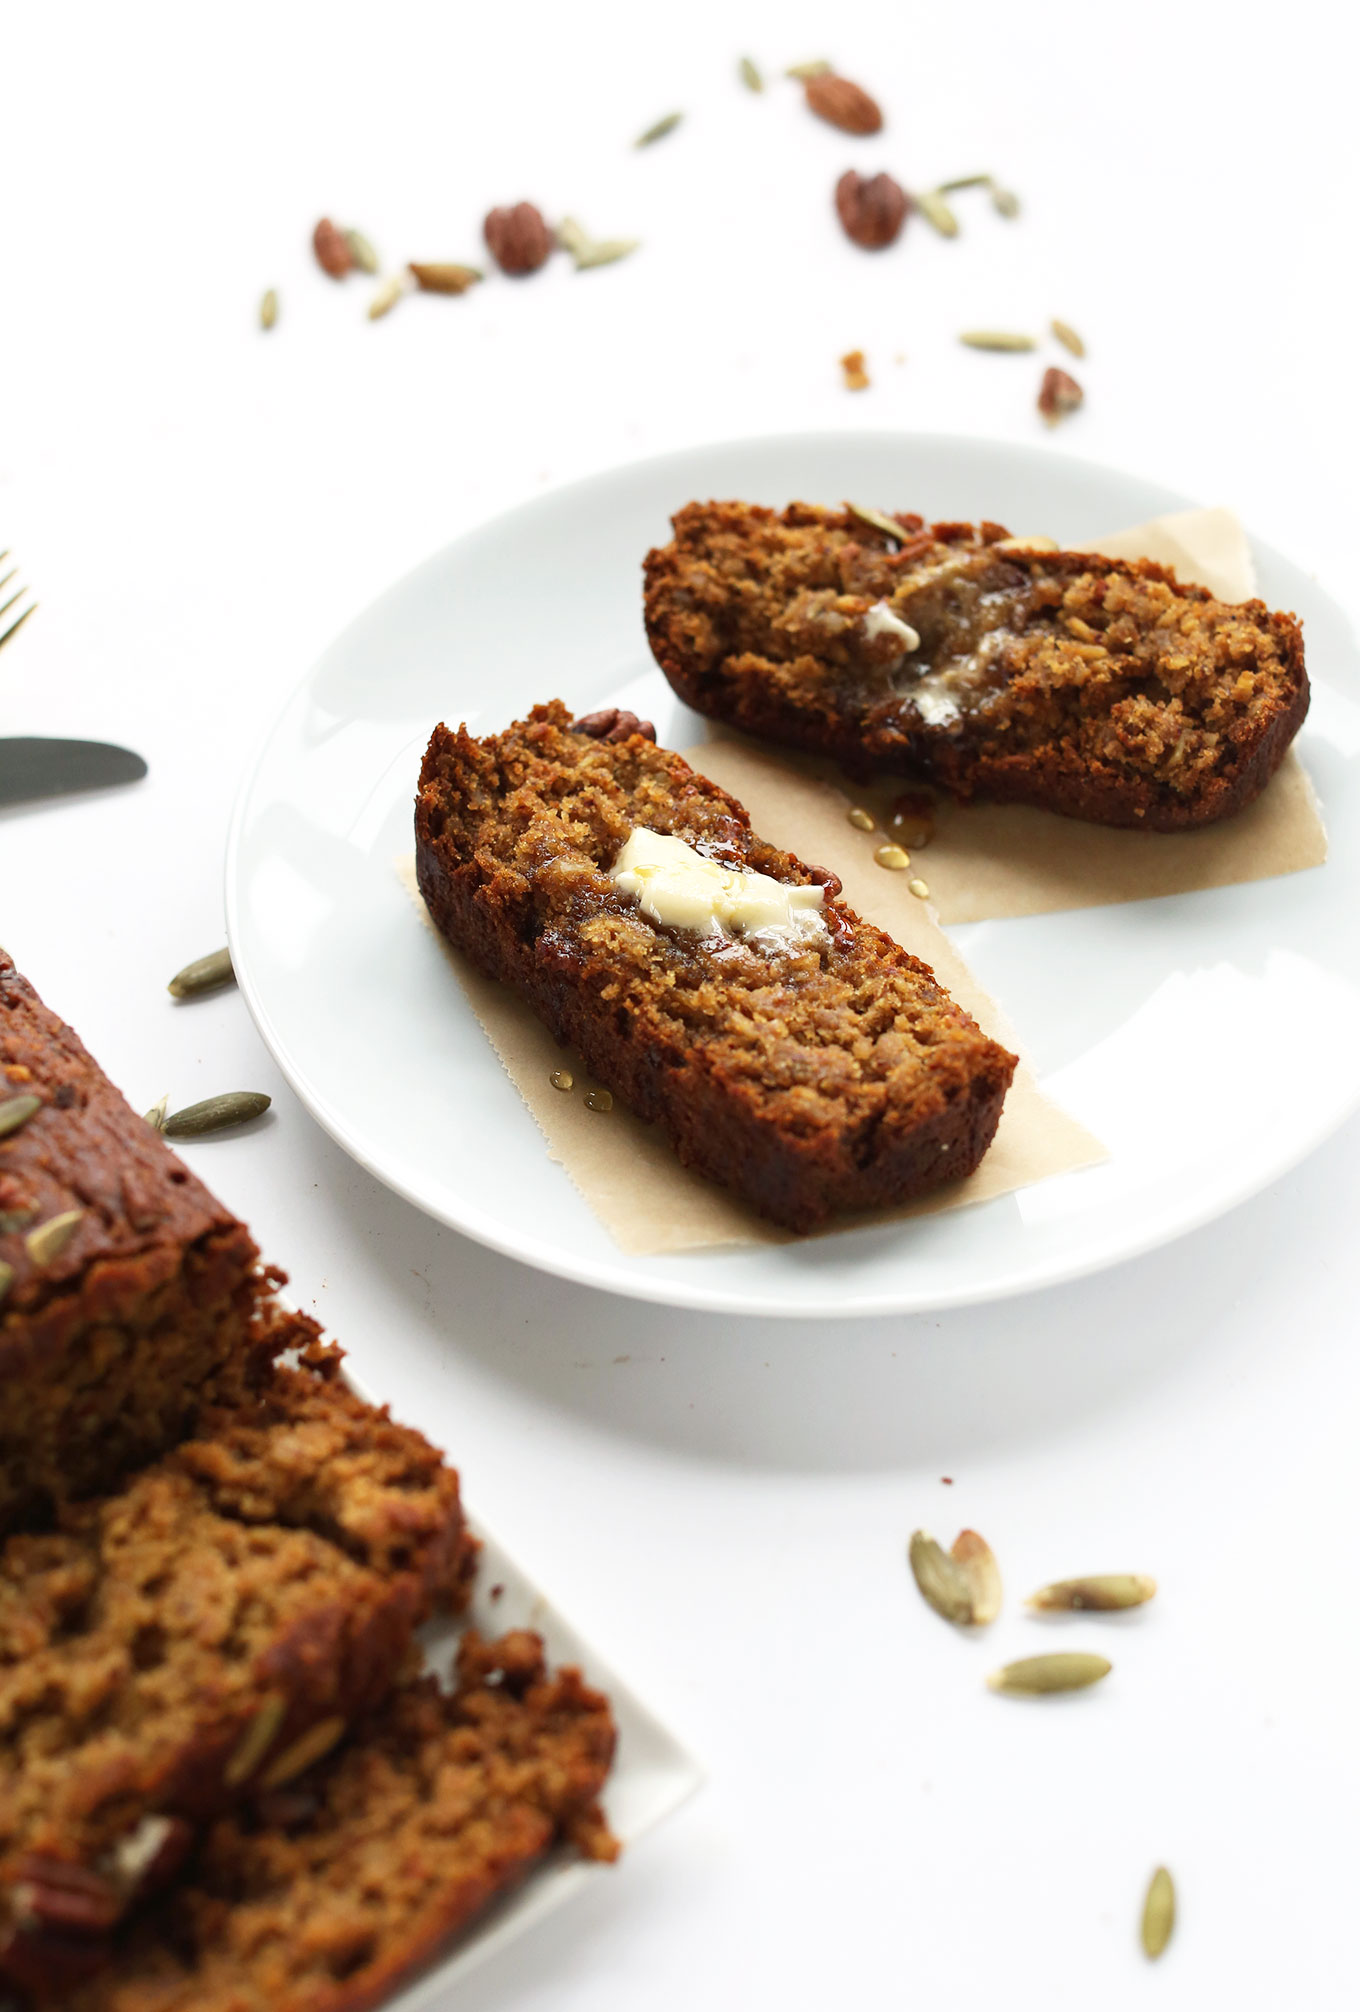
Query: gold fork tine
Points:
[6, 635]
[17, 626]
[12, 631]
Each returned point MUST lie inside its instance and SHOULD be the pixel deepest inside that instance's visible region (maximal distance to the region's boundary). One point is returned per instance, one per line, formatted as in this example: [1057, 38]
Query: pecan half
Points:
[611, 723]
[872, 208]
[331, 246]
[52, 1893]
[518, 239]
[842, 104]
[1059, 394]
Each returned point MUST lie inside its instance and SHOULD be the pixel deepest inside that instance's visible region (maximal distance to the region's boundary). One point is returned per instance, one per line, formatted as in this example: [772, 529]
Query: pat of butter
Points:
[881, 621]
[933, 703]
[681, 889]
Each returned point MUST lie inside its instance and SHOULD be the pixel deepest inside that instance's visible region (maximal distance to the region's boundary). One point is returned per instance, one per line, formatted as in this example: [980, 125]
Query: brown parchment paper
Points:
[625, 1170]
[988, 860]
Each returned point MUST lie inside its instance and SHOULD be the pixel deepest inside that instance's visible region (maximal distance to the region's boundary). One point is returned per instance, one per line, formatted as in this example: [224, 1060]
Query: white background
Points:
[723, 1505]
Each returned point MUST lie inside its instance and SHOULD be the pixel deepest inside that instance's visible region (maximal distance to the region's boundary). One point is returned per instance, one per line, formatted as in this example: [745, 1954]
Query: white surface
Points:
[725, 1511]
[1143, 1019]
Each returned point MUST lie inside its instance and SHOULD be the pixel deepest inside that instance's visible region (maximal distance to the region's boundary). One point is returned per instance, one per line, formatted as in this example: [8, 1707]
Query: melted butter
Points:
[881, 621]
[682, 889]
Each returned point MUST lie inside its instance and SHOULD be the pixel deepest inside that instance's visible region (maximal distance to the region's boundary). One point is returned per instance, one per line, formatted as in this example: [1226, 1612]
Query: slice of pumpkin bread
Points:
[212, 1626]
[325, 1895]
[1104, 689]
[791, 1052]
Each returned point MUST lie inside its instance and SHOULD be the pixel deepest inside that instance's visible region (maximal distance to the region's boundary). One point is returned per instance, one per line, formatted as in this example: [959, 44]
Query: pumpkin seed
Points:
[659, 130]
[919, 889]
[940, 1579]
[49, 1240]
[587, 251]
[269, 309]
[1005, 203]
[216, 1114]
[861, 819]
[308, 1747]
[1068, 337]
[976, 1560]
[819, 67]
[16, 1111]
[256, 1741]
[1159, 1913]
[155, 1117]
[965, 182]
[750, 75]
[877, 521]
[387, 296]
[891, 856]
[439, 278]
[937, 213]
[1038, 1676]
[1106, 1592]
[205, 974]
[362, 252]
[996, 338]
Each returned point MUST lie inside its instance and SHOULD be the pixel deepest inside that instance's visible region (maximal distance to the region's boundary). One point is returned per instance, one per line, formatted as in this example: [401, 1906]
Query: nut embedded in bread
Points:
[1100, 688]
[809, 1069]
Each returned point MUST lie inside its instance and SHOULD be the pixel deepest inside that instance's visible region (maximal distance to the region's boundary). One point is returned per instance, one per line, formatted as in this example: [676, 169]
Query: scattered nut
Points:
[842, 104]
[856, 376]
[332, 248]
[518, 239]
[440, 278]
[872, 208]
[1059, 394]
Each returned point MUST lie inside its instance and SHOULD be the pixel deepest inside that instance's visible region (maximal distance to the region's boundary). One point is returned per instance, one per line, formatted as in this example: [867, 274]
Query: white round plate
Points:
[1207, 1039]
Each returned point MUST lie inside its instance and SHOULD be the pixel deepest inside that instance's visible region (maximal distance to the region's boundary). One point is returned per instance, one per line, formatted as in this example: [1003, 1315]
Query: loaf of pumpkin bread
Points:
[127, 1292]
[1100, 688]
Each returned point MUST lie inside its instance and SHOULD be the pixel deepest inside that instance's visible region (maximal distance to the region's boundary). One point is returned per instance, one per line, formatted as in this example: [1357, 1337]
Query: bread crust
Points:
[835, 1080]
[155, 1298]
[1106, 689]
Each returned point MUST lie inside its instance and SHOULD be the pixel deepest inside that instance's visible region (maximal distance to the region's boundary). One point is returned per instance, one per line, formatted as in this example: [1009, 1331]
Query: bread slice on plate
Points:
[787, 1049]
[1104, 689]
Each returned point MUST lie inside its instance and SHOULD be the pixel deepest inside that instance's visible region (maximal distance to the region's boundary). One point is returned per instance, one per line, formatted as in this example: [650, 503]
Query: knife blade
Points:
[31, 768]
